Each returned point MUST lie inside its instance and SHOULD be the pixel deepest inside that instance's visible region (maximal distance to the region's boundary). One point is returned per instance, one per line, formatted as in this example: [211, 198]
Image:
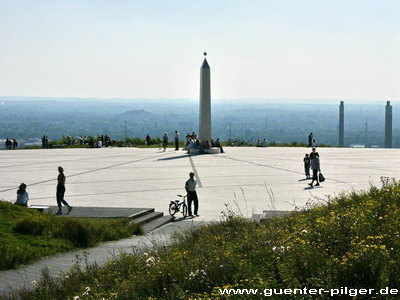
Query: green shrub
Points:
[33, 224]
[11, 255]
[80, 234]
[27, 235]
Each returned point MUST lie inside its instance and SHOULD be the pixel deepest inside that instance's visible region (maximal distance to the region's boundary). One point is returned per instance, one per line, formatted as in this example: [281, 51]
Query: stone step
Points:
[102, 212]
[150, 220]
[147, 218]
[40, 208]
[140, 213]
[156, 223]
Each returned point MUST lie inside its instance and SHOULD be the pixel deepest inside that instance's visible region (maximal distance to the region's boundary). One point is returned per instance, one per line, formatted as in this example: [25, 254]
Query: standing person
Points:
[310, 138]
[22, 195]
[314, 143]
[176, 140]
[194, 135]
[188, 139]
[148, 140]
[264, 143]
[190, 187]
[165, 141]
[218, 144]
[315, 166]
[307, 164]
[61, 191]
[8, 144]
[313, 154]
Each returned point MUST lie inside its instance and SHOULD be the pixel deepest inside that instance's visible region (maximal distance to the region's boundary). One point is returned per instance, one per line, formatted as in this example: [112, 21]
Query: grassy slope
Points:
[27, 235]
[352, 241]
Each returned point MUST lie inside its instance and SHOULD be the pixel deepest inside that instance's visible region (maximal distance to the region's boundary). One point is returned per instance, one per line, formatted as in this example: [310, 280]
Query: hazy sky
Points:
[341, 49]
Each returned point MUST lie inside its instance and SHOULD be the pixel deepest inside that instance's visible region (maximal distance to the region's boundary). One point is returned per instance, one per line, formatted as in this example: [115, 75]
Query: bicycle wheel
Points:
[184, 210]
[172, 208]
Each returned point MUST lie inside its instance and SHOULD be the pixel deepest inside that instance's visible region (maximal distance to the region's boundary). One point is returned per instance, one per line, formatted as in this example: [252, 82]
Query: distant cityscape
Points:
[279, 121]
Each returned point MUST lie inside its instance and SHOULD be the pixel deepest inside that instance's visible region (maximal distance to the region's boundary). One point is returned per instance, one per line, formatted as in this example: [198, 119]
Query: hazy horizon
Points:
[279, 121]
[215, 101]
[154, 49]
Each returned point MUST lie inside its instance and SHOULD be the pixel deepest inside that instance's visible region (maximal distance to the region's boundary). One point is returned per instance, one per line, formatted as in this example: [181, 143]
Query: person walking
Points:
[190, 187]
[22, 195]
[307, 164]
[165, 141]
[176, 140]
[310, 138]
[61, 191]
[148, 140]
[315, 166]
[313, 154]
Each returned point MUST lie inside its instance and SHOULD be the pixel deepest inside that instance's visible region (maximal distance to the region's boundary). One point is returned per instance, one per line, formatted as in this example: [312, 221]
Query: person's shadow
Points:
[311, 187]
[174, 219]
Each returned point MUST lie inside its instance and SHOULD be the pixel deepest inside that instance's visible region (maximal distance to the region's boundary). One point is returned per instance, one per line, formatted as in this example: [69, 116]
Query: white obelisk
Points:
[205, 103]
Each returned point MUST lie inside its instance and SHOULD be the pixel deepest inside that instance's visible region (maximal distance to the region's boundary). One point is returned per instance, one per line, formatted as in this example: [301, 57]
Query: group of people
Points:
[11, 144]
[191, 142]
[45, 142]
[263, 143]
[312, 161]
[104, 141]
[23, 196]
[99, 142]
[165, 139]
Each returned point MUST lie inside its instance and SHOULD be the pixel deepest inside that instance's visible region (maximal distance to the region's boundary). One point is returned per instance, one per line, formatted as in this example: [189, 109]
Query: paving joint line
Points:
[277, 168]
[86, 172]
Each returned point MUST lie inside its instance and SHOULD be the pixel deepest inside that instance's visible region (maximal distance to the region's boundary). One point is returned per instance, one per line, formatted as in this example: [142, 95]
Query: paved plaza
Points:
[250, 180]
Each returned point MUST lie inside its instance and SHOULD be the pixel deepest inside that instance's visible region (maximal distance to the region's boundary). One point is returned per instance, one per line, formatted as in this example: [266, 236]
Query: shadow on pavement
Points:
[175, 157]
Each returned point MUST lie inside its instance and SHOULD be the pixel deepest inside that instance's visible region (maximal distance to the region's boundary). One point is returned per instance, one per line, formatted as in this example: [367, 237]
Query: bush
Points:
[35, 224]
[28, 235]
[12, 255]
[80, 234]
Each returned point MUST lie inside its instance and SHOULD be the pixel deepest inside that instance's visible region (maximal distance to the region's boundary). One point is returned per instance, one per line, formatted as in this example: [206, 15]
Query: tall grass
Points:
[28, 235]
[352, 241]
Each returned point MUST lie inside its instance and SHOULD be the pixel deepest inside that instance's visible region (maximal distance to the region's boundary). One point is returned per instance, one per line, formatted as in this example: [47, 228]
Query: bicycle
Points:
[176, 206]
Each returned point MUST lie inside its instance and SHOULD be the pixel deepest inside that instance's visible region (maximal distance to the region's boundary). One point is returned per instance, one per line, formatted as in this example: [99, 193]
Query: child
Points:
[306, 160]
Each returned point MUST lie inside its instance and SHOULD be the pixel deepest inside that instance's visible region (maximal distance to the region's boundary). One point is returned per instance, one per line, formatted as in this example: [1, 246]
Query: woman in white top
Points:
[22, 195]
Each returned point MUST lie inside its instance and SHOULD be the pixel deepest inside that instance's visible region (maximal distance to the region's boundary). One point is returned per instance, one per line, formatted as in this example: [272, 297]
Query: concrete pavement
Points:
[250, 180]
